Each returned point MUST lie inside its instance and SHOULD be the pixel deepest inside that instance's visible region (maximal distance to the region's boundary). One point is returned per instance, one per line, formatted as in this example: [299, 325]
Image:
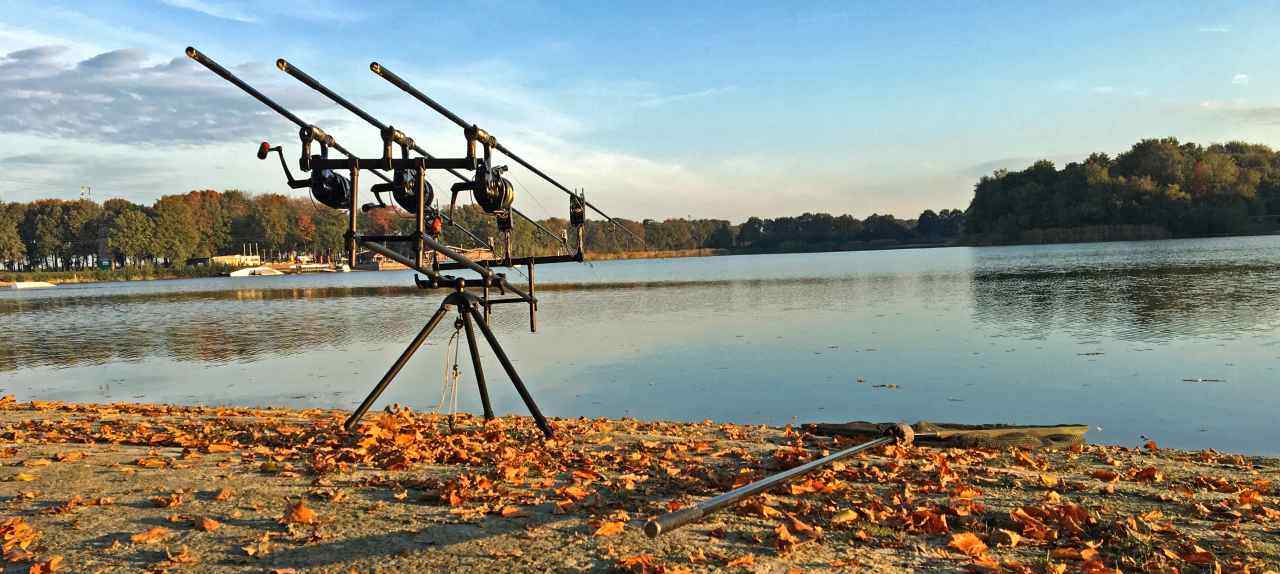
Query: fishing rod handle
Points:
[673, 520]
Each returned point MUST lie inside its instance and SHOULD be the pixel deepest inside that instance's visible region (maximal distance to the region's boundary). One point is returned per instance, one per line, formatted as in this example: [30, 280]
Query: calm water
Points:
[1104, 334]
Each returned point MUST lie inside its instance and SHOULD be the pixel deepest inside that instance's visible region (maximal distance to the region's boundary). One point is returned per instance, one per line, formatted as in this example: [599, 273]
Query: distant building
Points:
[237, 260]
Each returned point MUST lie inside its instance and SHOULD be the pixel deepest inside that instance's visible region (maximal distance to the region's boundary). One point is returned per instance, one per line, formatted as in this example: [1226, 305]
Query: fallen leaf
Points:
[206, 524]
[53, 564]
[183, 556]
[152, 535]
[967, 543]
[298, 513]
[609, 528]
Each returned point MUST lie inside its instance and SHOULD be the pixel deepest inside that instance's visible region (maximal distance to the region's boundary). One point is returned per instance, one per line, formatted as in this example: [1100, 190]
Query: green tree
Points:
[175, 237]
[130, 235]
[43, 232]
[268, 221]
[12, 250]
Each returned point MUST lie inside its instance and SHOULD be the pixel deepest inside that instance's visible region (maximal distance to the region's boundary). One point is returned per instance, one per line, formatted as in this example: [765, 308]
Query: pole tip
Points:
[283, 64]
[375, 67]
[192, 52]
[652, 529]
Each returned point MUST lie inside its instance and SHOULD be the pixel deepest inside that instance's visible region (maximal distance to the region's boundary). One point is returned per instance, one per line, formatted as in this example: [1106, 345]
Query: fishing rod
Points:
[397, 136]
[310, 131]
[899, 433]
[399, 82]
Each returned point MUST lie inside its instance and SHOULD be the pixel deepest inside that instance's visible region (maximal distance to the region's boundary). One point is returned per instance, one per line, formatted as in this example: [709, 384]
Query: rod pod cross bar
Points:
[399, 82]
[900, 433]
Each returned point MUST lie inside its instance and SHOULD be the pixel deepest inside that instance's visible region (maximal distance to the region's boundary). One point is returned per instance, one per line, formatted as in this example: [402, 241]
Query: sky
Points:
[656, 109]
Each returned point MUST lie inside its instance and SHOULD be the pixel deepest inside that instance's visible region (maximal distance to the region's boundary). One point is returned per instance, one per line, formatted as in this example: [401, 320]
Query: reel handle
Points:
[265, 149]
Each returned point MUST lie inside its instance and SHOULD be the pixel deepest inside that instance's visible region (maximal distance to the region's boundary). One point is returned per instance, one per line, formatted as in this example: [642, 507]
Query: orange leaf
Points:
[47, 567]
[152, 535]
[1104, 475]
[637, 563]
[69, 456]
[609, 528]
[298, 513]
[1199, 557]
[1250, 497]
[1149, 474]
[151, 463]
[967, 543]
[744, 561]
[174, 500]
[207, 524]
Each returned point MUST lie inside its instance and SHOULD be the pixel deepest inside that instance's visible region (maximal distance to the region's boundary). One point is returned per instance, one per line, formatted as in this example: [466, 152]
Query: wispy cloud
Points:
[1218, 29]
[214, 9]
[658, 101]
[1268, 115]
[1240, 79]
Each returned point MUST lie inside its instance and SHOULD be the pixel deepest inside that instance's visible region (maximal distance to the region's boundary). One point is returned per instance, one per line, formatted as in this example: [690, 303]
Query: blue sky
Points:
[657, 109]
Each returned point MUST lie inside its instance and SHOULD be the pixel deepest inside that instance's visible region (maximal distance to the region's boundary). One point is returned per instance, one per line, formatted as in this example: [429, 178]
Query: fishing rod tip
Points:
[283, 64]
[192, 52]
[375, 67]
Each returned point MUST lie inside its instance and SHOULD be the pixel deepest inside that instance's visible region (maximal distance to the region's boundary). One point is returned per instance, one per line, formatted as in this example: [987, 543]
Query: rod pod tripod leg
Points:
[413, 347]
[466, 304]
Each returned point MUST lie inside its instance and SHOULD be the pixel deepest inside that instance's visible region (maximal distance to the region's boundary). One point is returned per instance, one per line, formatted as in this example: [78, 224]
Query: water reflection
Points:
[1154, 304]
[1017, 334]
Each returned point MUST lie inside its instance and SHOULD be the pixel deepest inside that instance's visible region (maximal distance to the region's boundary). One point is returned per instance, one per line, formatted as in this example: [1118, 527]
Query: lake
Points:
[1174, 340]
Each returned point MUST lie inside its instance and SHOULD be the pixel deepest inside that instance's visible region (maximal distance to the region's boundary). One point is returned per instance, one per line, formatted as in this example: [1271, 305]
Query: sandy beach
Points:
[130, 488]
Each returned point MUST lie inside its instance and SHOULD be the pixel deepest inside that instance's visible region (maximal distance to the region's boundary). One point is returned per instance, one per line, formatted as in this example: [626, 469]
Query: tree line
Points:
[55, 234]
[1158, 188]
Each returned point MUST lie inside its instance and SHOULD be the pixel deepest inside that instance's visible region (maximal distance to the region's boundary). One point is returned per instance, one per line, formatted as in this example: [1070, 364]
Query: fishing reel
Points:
[326, 185]
[492, 192]
[406, 183]
[405, 186]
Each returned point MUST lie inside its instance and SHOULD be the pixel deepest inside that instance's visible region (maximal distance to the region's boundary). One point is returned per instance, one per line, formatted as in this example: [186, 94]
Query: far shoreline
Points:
[84, 276]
